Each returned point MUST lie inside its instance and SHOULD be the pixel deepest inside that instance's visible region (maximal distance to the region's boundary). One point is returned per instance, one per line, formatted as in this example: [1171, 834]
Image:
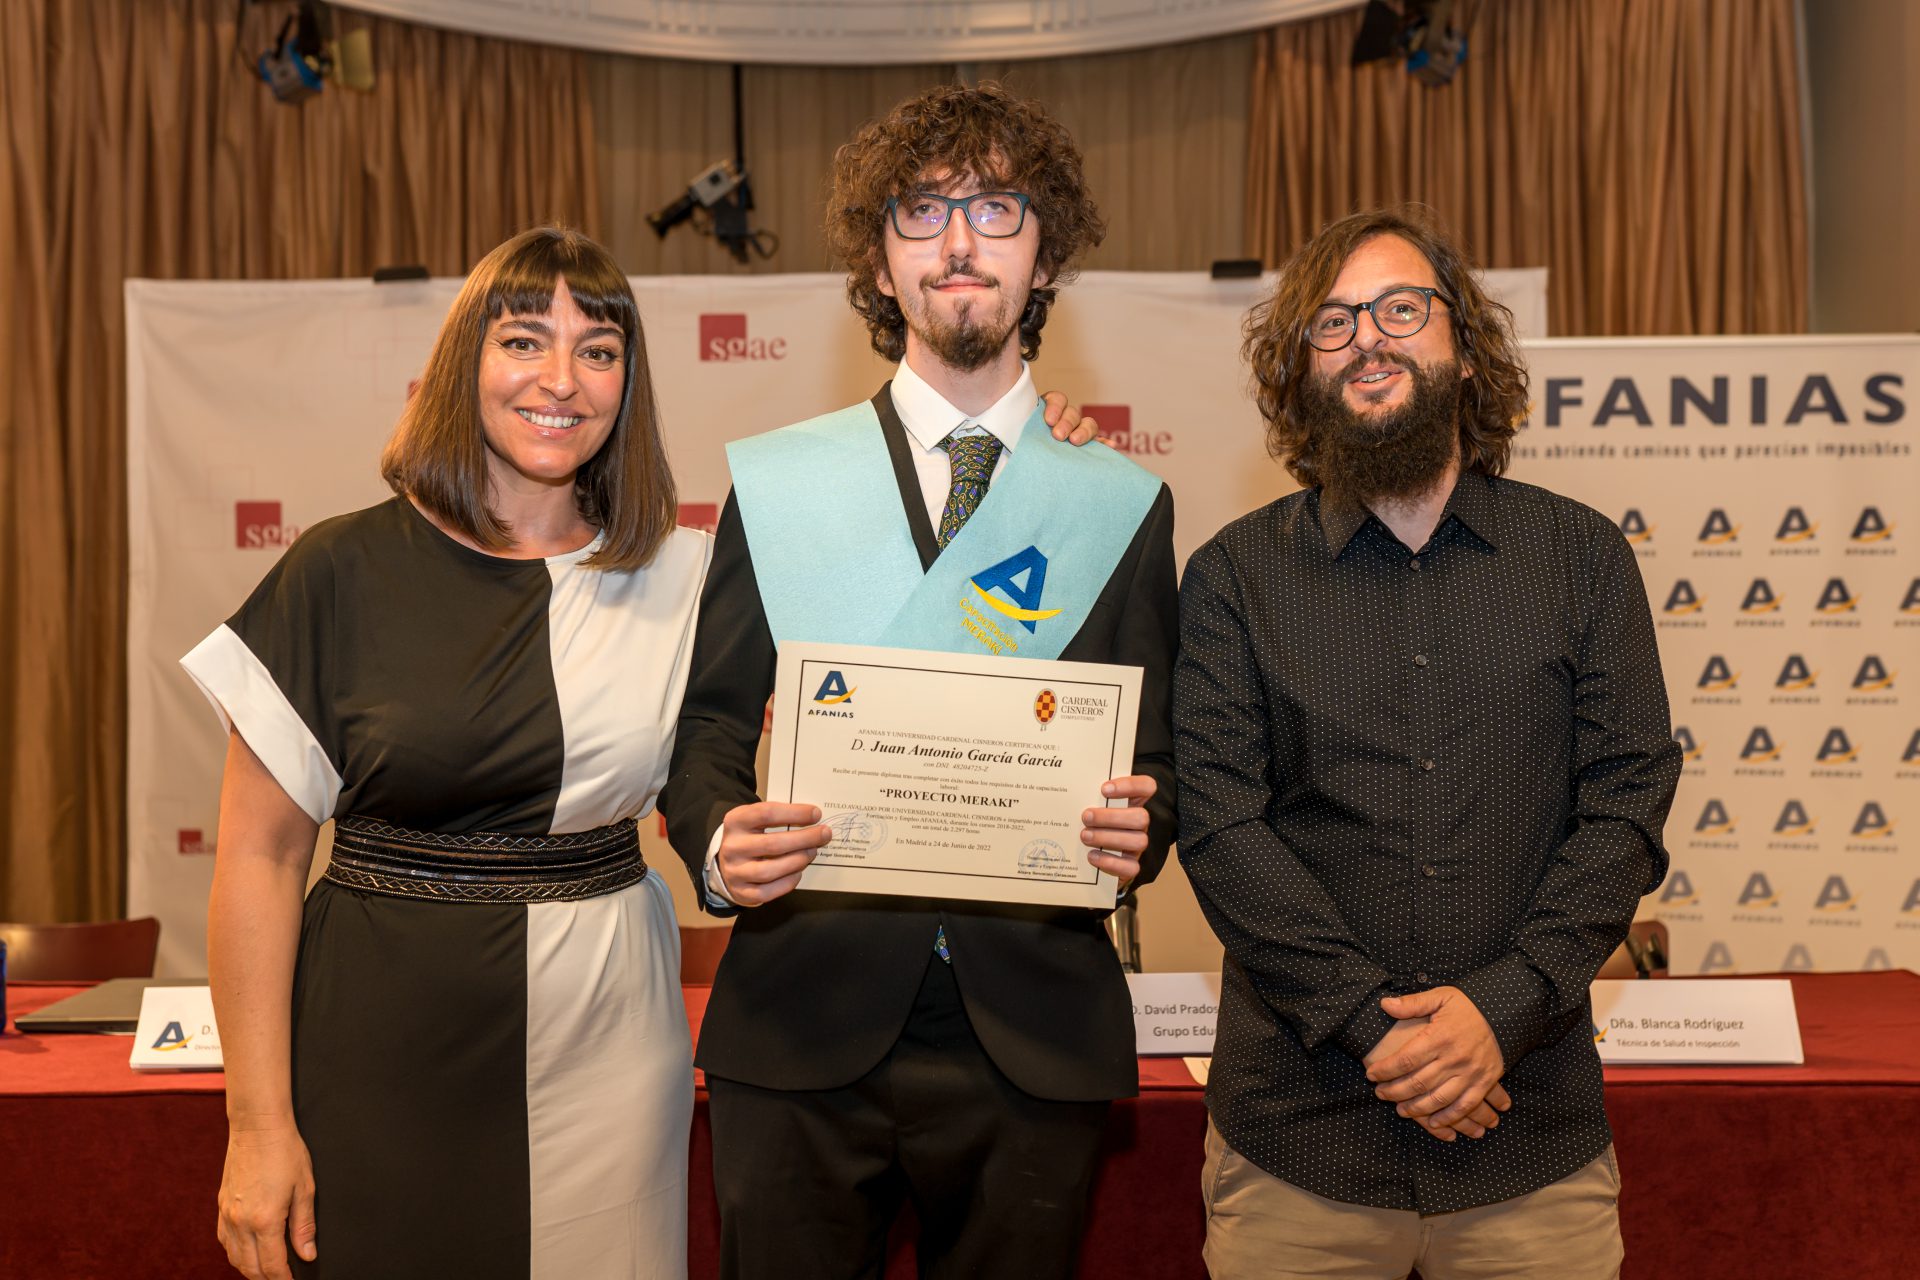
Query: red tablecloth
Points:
[1748, 1172]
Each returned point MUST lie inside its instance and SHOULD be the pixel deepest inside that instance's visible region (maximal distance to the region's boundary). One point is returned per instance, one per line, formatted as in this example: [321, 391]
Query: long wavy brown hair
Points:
[438, 453]
[1493, 395]
[1004, 142]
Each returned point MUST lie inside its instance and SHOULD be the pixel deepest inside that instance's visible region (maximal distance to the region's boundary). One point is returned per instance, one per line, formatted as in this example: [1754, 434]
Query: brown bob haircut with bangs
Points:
[1003, 142]
[1493, 394]
[438, 453]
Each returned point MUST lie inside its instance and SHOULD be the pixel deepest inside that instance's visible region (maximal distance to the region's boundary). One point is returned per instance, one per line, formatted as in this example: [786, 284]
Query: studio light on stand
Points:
[306, 54]
[1421, 31]
[719, 181]
[297, 64]
[718, 200]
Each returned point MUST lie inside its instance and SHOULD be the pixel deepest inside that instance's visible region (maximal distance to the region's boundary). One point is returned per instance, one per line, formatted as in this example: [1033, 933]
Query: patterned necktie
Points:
[972, 458]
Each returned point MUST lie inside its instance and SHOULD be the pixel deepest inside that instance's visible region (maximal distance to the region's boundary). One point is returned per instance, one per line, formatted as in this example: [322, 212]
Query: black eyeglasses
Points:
[1399, 313]
[923, 215]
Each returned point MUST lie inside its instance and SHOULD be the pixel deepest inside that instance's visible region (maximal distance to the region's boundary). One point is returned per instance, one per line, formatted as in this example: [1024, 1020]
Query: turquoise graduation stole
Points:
[834, 555]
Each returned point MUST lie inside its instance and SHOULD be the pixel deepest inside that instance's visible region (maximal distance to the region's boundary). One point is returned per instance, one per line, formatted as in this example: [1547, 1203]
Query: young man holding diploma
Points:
[861, 1049]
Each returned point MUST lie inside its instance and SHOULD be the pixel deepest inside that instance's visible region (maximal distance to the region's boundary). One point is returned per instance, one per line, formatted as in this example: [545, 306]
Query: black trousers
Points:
[809, 1182]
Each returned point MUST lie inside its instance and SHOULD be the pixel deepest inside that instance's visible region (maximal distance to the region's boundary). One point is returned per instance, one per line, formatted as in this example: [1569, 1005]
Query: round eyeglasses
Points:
[1398, 313]
[923, 215]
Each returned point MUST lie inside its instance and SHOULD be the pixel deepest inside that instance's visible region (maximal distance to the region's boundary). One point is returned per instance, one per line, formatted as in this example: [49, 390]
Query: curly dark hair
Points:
[1494, 394]
[986, 133]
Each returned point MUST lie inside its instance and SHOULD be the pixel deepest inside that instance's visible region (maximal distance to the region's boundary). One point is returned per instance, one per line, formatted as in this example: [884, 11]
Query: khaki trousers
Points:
[1260, 1226]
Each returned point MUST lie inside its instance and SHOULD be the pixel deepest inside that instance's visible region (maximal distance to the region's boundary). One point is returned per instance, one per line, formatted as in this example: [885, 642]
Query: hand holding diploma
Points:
[945, 775]
[1119, 836]
[757, 865]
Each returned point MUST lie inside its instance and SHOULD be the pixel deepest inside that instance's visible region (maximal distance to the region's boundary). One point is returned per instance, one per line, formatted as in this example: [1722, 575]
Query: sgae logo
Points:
[724, 337]
[1836, 748]
[258, 526]
[834, 692]
[172, 1037]
[1714, 820]
[1871, 527]
[1758, 892]
[1024, 596]
[1872, 675]
[1718, 529]
[1635, 526]
[1835, 896]
[1689, 749]
[1835, 598]
[1795, 674]
[1795, 527]
[1873, 823]
[1679, 891]
[1683, 598]
[1718, 676]
[1760, 746]
[1759, 598]
[1793, 820]
[1116, 428]
[194, 840]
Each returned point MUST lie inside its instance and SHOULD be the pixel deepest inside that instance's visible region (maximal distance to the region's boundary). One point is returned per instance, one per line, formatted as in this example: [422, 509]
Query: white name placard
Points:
[1174, 1013]
[176, 1031]
[1683, 1020]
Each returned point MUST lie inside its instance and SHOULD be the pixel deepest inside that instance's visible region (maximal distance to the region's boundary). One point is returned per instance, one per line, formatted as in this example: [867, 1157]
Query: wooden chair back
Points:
[81, 952]
[700, 951]
[1642, 955]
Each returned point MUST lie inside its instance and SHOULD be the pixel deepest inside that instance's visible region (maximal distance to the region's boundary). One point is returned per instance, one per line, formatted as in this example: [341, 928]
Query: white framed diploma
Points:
[951, 775]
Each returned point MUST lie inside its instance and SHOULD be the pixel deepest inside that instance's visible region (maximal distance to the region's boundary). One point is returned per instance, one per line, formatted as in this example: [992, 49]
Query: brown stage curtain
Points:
[1647, 152]
[1163, 132]
[136, 142]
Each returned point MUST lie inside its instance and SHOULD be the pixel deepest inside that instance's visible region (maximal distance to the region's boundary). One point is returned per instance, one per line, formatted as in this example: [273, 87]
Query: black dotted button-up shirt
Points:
[1401, 770]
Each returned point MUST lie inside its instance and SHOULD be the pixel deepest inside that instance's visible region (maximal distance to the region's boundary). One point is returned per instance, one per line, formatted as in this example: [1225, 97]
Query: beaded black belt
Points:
[484, 866]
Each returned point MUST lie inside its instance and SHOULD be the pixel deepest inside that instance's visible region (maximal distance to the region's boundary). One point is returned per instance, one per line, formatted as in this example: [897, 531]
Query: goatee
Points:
[1391, 456]
[969, 341]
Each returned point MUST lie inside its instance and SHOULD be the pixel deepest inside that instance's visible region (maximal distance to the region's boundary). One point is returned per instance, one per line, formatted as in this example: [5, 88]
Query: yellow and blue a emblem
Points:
[833, 690]
[1022, 602]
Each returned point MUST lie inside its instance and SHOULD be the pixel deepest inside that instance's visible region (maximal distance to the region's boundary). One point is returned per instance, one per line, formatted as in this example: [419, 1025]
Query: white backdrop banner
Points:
[1770, 487]
[256, 409]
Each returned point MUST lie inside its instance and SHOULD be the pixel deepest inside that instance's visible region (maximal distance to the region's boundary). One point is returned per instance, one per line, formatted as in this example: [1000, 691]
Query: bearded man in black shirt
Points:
[1424, 761]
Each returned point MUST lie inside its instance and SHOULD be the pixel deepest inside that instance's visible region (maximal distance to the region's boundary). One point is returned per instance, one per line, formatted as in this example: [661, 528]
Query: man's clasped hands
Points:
[1440, 1064]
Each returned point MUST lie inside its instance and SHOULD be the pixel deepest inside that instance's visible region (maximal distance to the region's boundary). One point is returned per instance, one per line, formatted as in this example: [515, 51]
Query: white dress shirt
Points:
[929, 419]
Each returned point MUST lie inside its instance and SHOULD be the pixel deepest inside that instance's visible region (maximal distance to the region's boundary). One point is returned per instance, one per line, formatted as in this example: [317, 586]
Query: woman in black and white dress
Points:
[466, 1054]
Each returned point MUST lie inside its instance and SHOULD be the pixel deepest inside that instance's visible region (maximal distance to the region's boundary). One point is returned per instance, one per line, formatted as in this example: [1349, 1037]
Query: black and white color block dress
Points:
[488, 1087]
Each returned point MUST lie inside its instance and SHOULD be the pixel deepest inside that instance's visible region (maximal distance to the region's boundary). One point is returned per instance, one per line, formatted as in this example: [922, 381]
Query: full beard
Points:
[975, 335]
[1391, 456]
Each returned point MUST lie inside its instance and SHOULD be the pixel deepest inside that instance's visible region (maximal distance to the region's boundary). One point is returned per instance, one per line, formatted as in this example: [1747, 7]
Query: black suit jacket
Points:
[815, 987]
